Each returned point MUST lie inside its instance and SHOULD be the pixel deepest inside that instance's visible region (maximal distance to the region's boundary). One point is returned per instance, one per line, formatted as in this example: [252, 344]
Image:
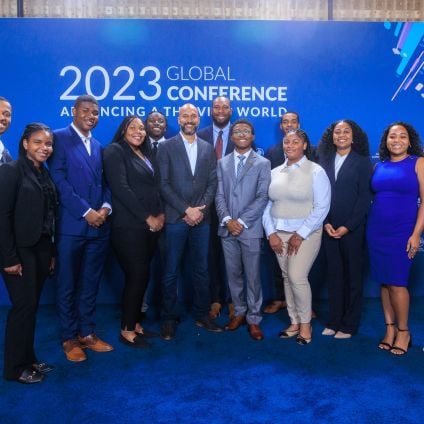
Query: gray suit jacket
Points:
[244, 197]
[179, 187]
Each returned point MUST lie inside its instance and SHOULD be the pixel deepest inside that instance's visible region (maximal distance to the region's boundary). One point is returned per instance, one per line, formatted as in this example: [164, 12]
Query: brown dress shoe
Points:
[94, 343]
[275, 306]
[215, 310]
[236, 322]
[231, 311]
[255, 332]
[73, 351]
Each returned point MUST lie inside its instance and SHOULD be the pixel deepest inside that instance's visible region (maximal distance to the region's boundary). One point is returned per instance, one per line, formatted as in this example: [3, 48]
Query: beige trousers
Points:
[295, 270]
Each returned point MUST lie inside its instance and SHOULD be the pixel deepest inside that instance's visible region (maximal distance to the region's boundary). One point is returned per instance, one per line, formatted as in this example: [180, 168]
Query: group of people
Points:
[211, 192]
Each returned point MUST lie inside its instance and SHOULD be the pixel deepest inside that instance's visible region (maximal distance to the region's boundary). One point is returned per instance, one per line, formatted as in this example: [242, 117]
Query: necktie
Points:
[240, 165]
[155, 148]
[219, 145]
[87, 144]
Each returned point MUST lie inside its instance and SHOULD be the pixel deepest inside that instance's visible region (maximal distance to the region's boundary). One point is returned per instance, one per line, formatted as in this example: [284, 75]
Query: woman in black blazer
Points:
[344, 154]
[27, 214]
[137, 218]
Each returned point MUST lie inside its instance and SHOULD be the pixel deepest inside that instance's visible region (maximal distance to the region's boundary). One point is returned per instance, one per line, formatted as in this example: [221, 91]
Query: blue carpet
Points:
[202, 377]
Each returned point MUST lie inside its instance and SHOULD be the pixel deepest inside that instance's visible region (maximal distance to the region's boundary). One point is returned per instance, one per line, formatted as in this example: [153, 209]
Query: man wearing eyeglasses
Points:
[243, 180]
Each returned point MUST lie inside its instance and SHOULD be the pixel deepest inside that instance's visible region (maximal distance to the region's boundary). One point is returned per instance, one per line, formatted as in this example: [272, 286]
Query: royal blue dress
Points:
[392, 219]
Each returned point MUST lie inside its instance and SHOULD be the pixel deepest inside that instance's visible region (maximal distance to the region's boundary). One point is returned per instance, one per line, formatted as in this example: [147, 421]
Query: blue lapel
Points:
[91, 160]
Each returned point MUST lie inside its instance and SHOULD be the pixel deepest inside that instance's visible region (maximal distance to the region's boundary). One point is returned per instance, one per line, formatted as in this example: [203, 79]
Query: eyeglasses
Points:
[242, 132]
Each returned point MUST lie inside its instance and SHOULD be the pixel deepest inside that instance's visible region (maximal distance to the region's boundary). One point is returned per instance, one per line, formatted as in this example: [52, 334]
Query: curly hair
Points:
[415, 148]
[302, 134]
[360, 144]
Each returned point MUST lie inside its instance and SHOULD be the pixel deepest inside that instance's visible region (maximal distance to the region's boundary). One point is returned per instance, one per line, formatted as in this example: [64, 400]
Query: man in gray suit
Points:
[187, 166]
[5, 120]
[243, 180]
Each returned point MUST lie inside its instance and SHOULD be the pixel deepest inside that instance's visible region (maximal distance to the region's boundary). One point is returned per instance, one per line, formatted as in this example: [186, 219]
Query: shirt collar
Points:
[216, 130]
[246, 154]
[81, 135]
[159, 141]
[186, 141]
[295, 165]
[1, 148]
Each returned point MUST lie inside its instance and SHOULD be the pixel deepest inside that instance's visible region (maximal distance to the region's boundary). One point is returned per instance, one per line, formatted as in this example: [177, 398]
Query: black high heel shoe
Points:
[302, 340]
[384, 345]
[400, 350]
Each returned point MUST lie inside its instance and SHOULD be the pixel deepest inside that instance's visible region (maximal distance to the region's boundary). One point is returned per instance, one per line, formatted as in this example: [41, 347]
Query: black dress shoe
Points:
[209, 325]
[167, 330]
[42, 367]
[147, 333]
[138, 341]
[30, 376]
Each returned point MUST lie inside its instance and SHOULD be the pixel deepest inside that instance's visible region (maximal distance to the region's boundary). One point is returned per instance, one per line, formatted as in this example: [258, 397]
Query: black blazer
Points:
[21, 210]
[351, 193]
[134, 187]
[275, 155]
[179, 187]
[207, 135]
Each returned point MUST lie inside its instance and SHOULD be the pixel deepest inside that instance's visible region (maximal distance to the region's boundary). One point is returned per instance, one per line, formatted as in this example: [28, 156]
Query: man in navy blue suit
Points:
[5, 120]
[218, 135]
[187, 166]
[82, 231]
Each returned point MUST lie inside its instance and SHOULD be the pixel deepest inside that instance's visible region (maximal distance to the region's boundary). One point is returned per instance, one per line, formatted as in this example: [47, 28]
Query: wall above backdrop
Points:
[355, 10]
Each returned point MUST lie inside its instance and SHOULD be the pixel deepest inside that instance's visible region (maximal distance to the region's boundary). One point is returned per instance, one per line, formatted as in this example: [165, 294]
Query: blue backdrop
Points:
[369, 72]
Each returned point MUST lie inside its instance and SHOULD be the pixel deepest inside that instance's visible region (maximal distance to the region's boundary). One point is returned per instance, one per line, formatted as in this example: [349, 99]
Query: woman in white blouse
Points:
[299, 200]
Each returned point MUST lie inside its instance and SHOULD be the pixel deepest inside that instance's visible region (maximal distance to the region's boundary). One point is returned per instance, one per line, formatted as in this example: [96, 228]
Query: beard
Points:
[189, 131]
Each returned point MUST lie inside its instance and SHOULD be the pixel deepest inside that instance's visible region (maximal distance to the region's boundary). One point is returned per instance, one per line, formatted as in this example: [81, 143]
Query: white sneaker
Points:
[341, 335]
[328, 332]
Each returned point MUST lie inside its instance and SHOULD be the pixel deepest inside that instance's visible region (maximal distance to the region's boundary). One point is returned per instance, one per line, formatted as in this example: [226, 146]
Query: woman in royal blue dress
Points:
[395, 223]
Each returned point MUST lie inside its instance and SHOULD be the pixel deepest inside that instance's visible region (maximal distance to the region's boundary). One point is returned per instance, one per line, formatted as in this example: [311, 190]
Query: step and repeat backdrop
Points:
[369, 72]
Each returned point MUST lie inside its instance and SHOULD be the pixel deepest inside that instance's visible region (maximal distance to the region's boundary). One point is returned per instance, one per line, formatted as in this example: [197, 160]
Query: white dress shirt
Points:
[191, 149]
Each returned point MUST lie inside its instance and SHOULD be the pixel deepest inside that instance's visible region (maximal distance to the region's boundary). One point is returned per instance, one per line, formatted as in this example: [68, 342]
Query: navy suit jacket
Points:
[79, 181]
[207, 135]
[275, 155]
[179, 187]
[350, 193]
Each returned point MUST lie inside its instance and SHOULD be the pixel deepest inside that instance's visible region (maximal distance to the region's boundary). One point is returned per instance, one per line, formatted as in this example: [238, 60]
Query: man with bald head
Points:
[5, 120]
[218, 135]
[187, 166]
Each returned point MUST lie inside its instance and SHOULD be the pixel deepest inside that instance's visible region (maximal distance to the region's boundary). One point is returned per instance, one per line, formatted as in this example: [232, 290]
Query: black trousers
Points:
[134, 249]
[344, 277]
[219, 290]
[24, 293]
